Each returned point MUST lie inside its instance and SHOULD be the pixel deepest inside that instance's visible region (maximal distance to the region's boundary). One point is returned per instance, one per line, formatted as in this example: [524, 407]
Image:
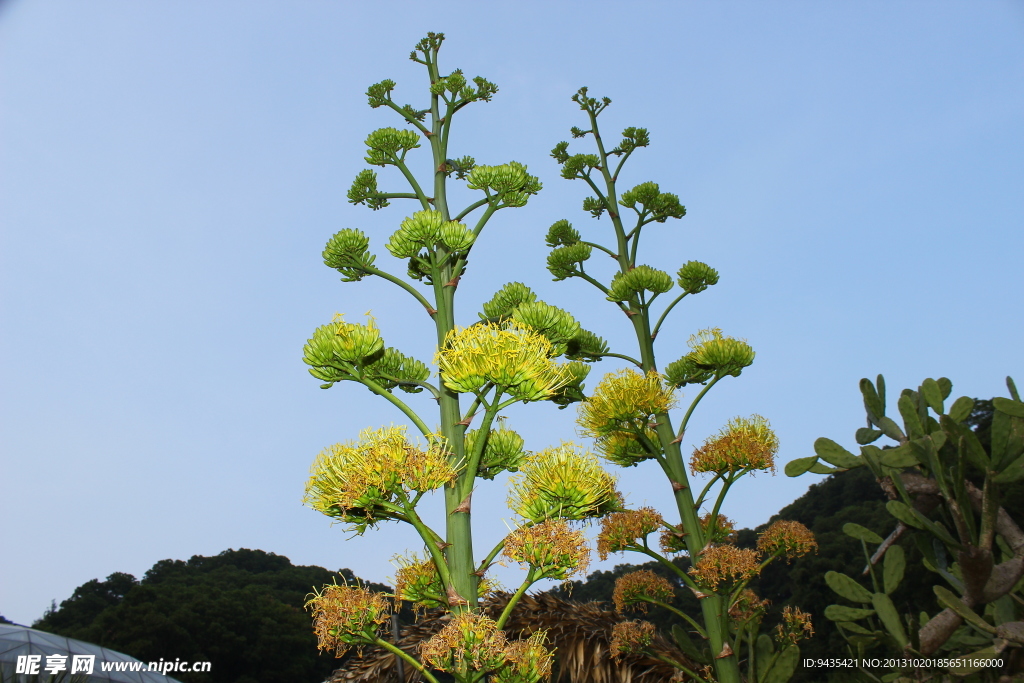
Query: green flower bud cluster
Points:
[561, 234]
[426, 230]
[454, 83]
[577, 165]
[627, 285]
[379, 94]
[554, 323]
[695, 277]
[503, 451]
[385, 144]
[336, 351]
[348, 252]
[625, 448]
[364, 191]
[586, 346]
[631, 139]
[595, 206]
[563, 482]
[341, 341]
[506, 300]
[509, 181]
[713, 355]
[572, 392]
[660, 205]
[562, 261]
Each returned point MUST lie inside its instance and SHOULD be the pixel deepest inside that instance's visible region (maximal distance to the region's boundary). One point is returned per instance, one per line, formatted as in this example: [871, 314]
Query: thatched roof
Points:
[580, 632]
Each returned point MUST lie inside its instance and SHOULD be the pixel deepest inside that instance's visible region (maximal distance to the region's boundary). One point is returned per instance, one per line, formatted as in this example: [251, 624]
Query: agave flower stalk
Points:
[629, 412]
[511, 354]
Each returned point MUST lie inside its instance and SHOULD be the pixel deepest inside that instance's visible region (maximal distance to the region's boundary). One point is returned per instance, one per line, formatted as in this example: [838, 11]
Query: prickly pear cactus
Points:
[945, 490]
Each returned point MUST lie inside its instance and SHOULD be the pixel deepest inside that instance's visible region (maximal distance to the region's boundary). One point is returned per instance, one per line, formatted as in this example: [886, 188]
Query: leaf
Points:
[890, 618]
[1013, 472]
[1008, 406]
[1007, 438]
[874, 405]
[945, 386]
[861, 533]
[961, 409]
[904, 513]
[798, 466]
[866, 435]
[911, 418]
[784, 666]
[831, 452]
[845, 613]
[899, 457]
[763, 650]
[818, 468]
[846, 587]
[852, 626]
[686, 644]
[983, 656]
[932, 395]
[890, 429]
[893, 567]
[949, 599]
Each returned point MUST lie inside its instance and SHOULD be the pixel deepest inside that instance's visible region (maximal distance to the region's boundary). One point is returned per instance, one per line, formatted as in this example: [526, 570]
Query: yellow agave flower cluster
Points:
[620, 530]
[418, 582]
[632, 589]
[563, 482]
[712, 355]
[344, 616]
[507, 355]
[352, 479]
[724, 563]
[472, 643]
[552, 547]
[743, 444]
[621, 408]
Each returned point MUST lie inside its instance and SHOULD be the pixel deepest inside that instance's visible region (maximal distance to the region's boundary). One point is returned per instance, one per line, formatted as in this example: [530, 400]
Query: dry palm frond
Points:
[581, 632]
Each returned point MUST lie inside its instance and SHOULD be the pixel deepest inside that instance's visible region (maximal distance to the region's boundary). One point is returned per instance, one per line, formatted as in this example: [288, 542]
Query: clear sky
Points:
[169, 173]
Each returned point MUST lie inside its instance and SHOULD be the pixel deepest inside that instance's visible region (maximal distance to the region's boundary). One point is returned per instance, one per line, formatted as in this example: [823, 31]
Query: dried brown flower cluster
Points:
[528, 660]
[747, 606]
[791, 539]
[619, 530]
[632, 589]
[629, 637]
[557, 550]
[723, 530]
[795, 626]
[344, 616]
[673, 539]
[722, 564]
[744, 443]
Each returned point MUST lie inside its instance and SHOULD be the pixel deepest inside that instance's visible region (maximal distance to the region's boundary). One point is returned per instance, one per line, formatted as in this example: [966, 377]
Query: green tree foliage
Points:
[241, 610]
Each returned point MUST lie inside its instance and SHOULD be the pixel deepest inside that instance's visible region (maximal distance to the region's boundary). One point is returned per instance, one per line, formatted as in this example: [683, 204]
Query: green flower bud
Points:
[364, 191]
[723, 355]
[385, 144]
[507, 299]
[686, 371]
[503, 451]
[380, 93]
[457, 236]
[561, 234]
[626, 285]
[562, 261]
[392, 368]
[348, 253]
[586, 346]
[557, 325]
[695, 277]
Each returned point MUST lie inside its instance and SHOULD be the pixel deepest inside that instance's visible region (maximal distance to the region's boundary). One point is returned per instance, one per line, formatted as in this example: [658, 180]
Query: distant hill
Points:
[241, 610]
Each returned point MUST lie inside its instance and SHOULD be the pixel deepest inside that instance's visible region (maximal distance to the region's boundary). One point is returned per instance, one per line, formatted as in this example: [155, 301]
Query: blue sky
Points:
[171, 171]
